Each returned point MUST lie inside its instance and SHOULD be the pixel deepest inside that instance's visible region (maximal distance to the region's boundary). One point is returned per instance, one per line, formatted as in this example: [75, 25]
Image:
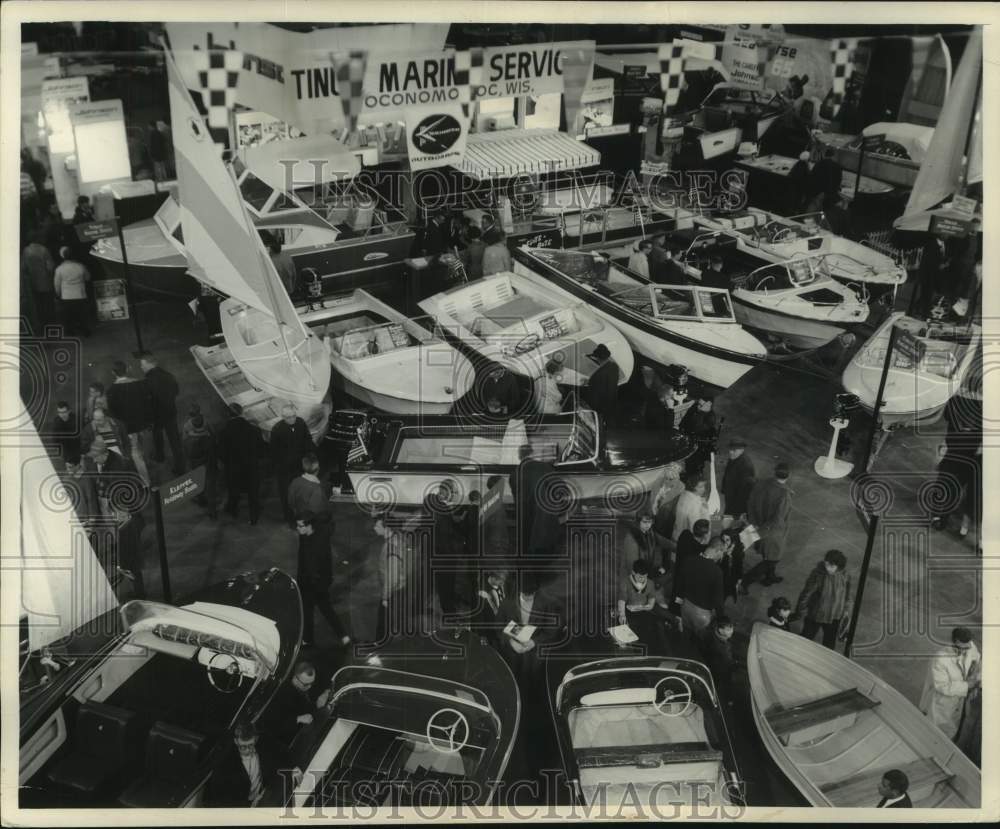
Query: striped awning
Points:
[504, 154]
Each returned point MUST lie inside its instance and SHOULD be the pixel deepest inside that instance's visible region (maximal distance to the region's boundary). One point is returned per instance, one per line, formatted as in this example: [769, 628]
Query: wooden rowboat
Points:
[834, 728]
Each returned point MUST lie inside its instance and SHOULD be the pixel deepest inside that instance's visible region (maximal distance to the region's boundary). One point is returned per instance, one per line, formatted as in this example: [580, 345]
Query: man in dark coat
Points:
[239, 445]
[290, 443]
[893, 790]
[798, 183]
[294, 705]
[602, 386]
[717, 649]
[931, 276]
[315, 574]
[164, 390]
[528, 606]
[738, 479]
[700, 423]
[248, 769]
[201, 449]
[533, 486]
[67, 430]
[768, 509]
[131, 403]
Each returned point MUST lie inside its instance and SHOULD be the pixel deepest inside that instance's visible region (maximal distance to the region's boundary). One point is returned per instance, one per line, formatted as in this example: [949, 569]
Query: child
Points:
[778, 613]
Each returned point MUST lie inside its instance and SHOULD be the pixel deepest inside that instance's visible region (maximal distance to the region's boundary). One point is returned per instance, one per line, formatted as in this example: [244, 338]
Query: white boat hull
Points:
[798, 332]
[389, 403]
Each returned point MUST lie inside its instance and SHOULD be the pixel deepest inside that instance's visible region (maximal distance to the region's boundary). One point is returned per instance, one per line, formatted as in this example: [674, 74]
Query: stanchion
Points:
[161, 543]
[829, 465]
[852, 628]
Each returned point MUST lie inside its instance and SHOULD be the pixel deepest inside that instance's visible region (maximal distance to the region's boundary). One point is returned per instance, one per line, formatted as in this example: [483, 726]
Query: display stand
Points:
[829, 465]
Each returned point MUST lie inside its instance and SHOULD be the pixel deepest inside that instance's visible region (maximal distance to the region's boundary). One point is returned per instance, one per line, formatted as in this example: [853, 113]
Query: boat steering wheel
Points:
[781, 234]
[666, 705]
[447, 731]
[229, 666]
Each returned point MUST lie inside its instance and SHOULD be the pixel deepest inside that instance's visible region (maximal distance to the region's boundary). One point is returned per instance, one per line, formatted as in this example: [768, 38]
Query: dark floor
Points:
[921, 583]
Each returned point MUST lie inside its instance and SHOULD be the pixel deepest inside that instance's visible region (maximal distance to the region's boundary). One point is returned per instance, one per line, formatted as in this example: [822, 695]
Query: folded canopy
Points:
[505, 154]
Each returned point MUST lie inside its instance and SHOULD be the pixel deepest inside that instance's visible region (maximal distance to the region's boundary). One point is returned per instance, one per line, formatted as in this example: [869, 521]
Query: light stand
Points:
[829, 465]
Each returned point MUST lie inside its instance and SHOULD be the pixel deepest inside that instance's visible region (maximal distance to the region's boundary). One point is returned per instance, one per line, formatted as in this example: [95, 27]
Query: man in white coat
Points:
[954, 672]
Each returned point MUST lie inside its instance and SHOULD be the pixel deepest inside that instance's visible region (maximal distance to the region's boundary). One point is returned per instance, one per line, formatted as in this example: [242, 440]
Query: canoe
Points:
[834, 728]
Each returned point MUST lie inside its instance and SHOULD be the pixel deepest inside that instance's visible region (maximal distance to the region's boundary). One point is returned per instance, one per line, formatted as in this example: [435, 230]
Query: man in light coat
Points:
[954, 672]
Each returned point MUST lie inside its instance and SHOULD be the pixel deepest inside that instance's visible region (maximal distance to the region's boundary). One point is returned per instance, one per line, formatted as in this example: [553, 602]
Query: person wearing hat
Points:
[737, 479]
[768, 509]
[601, 392]
[798, 182]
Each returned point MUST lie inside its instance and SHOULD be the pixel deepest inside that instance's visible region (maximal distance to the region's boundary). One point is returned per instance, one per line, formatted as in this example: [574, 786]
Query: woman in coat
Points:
[827, 599]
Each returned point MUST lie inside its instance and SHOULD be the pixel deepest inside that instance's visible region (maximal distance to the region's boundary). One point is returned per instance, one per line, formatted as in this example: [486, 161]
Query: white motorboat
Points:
[384, 359]
[728, 115]
[779, 238]
[929, 365]
[515, 322]
[667, 324]
[795, 299]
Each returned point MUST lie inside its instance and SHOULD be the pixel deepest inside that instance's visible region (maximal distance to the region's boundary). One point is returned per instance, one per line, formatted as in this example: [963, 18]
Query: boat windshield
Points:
[583, 442]
[919, 348]
[680, 302]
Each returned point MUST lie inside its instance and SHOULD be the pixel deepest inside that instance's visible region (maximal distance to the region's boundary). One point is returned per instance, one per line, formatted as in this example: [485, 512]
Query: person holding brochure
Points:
[527, 619]
[642, 607]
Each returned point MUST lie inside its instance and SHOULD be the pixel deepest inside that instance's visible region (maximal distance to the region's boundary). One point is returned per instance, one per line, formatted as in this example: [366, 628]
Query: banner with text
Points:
[745, 59]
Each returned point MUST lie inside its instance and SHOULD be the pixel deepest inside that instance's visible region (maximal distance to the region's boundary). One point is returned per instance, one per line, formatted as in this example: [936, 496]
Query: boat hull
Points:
[167, 277]
[839, 761]
[388, 403]
[798, 332]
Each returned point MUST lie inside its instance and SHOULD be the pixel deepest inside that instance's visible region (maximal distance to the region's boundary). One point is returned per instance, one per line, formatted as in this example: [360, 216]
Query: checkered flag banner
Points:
[842, 54]
[218, 77]
[672, 58]
[350, 86]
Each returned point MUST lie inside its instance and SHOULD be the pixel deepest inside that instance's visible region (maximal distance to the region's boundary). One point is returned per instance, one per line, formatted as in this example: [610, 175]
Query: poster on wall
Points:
[597, 106]
[744, 58]
[101, 142]
[436, 136]
[111, 300]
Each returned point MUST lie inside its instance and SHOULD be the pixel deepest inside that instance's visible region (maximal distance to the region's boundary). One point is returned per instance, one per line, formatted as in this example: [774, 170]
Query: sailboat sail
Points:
[63, 586]
[222, 250]
[974, 171]
[940, 174]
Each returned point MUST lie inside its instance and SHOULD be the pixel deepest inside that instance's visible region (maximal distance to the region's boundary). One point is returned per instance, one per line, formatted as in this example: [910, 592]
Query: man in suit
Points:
[67, 429]
[306, 493]
[113, 475]
[717, 650]
[539, 527]
[768, 509]
[315, 574]
[529, 606]
[247, 769]
[290, 443]
[738, 479]
[700, 589]
[893, 788]
[602, 387]
[164, 390]
[239, 445]
[488, 599]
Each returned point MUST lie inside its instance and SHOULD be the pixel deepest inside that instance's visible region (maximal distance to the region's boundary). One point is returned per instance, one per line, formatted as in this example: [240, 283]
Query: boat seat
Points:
[104, 744]
[662, 753]
[786, 721]
[862, 789]
[172, 758]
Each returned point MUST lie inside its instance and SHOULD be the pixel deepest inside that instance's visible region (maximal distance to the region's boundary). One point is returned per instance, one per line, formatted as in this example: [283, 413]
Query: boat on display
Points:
[727, 115]
[334, 229]
[834, 729]
[418, 722]
[667, 324]
[382, 358]
[795, 300]
[400, 461]
[146, 716]
[513, 321]
[264, 333]
[648, 726]
[899, 150]
[780, 238]
[930, 363]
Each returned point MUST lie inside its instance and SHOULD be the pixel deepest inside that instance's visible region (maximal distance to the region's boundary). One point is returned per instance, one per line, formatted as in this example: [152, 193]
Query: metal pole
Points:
[128, 286]
[876, 419]
[861, 164]
[862, 578]
[161, 543]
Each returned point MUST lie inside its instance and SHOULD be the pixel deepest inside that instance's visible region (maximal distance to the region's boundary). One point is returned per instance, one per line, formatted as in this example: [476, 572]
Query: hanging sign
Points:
[964, 206]
[436, 136]
[945, 226]
[112, 303]
[67, 90]
[742, 57]
[93, 231]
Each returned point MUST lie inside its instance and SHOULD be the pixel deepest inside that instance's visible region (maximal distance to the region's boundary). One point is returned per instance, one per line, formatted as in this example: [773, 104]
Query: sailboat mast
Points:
[272, 299]
[970, 134]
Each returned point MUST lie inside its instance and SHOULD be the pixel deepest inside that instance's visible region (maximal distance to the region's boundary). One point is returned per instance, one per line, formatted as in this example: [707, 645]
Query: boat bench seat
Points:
[862, 789]
[818, 711]
[172, 759]
[106, 741]
[662, 753]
